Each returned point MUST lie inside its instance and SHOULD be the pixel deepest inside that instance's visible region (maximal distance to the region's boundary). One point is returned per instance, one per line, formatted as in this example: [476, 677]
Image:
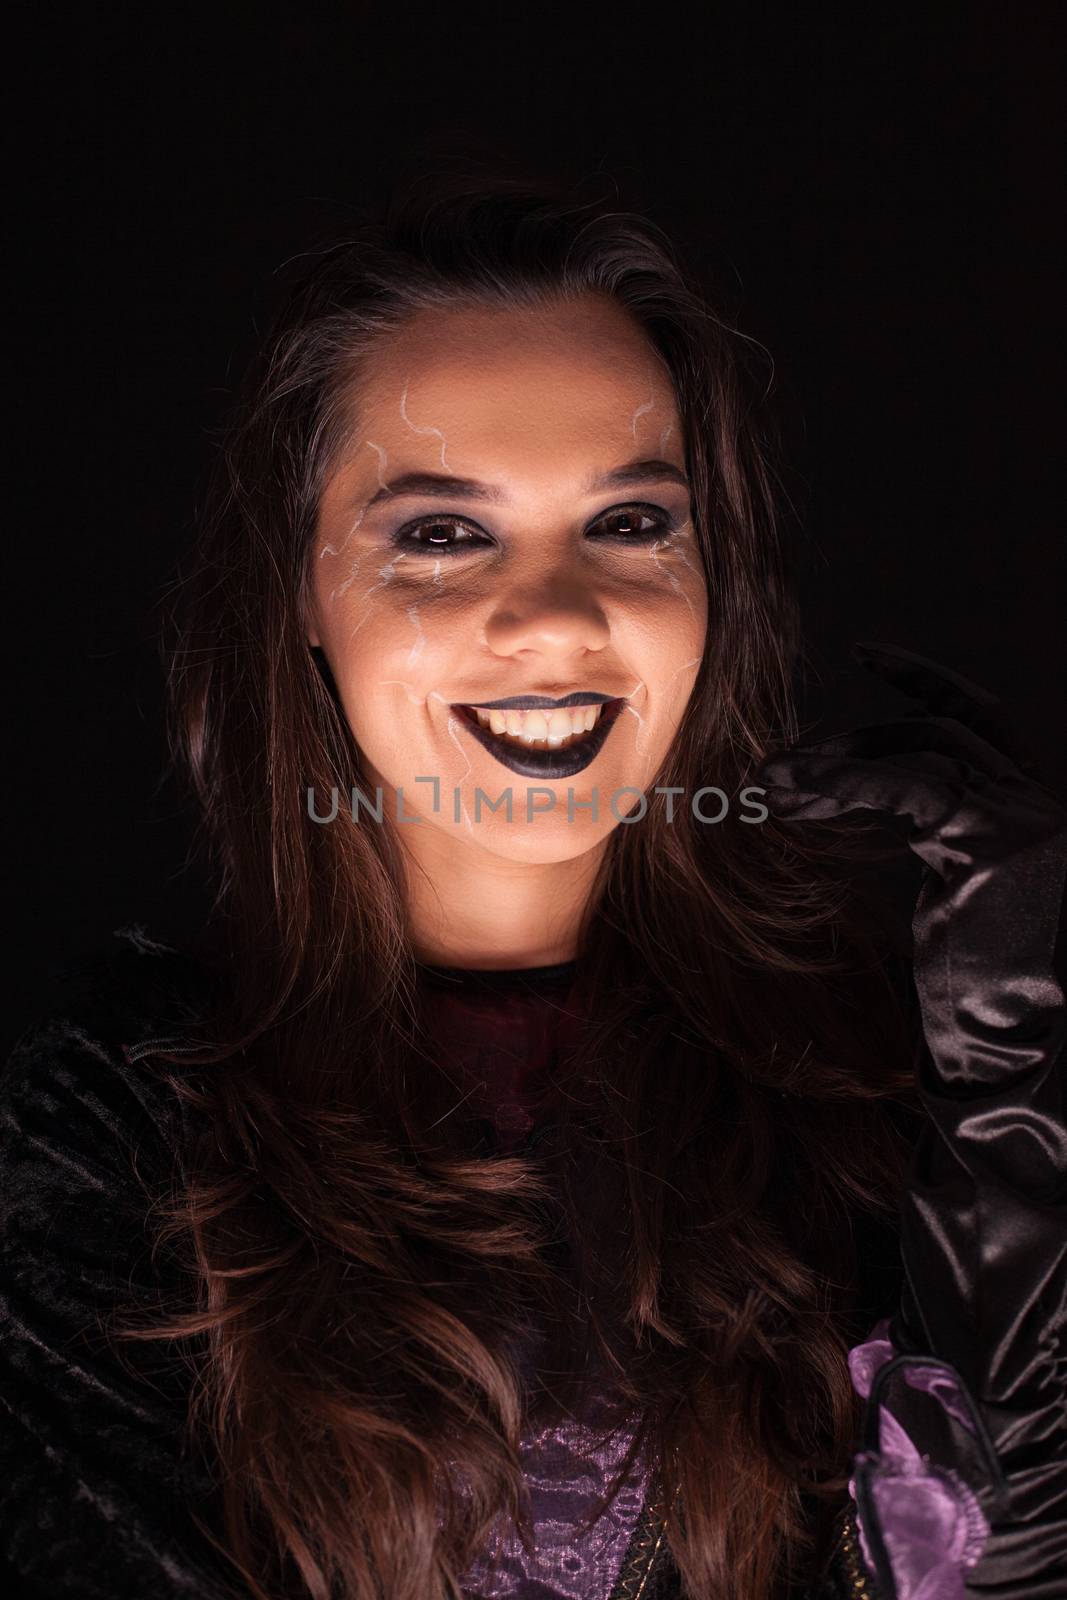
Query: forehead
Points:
[580, 372]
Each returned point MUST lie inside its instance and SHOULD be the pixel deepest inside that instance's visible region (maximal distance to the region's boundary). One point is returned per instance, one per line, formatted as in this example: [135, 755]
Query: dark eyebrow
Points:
[440, 486]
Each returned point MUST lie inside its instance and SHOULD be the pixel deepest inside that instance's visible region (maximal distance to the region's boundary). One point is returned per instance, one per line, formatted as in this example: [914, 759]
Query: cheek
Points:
[664, 596]
[370, 624]
[662, 642]
[681, 590]
[390, 652]
[662, 632]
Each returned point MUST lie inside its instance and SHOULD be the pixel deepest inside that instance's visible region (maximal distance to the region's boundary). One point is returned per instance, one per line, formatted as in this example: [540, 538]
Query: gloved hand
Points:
[984, 1216]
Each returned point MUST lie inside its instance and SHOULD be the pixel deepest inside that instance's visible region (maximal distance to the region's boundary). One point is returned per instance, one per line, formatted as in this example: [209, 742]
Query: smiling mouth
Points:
[551, 740]
[551, 728]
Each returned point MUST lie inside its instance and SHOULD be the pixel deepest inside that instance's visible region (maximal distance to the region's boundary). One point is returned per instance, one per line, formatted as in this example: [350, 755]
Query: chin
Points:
[540, 844]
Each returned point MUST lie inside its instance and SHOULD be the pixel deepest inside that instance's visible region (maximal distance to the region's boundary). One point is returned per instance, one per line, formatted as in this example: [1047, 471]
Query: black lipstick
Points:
[566, 761]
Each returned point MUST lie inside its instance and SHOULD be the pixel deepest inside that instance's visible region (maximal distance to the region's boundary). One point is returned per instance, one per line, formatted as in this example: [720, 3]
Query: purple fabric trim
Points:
[932, 1526]
[567, 1468]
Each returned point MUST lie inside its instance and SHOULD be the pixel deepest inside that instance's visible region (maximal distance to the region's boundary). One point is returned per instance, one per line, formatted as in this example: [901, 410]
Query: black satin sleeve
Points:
[97, 1486]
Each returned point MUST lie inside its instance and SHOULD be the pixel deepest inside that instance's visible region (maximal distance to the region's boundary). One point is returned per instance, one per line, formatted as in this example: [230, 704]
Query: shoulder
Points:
[133, 981]
[78, 1073]
[92, 1432]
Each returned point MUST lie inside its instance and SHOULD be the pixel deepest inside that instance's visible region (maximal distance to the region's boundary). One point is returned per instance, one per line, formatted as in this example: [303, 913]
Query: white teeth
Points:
[548, 730]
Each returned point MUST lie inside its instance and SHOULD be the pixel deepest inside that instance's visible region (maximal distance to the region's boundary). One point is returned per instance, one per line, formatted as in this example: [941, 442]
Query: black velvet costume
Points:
[97, 1480]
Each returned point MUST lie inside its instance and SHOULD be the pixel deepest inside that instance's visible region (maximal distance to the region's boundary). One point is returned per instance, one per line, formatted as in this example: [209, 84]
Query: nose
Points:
[553, 616]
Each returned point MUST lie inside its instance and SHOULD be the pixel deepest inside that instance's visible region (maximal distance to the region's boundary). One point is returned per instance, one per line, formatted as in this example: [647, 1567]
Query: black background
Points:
[873, 190]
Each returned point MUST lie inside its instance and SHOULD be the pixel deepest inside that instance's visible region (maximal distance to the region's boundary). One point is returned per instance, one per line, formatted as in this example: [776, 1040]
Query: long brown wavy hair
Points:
[361, 1272]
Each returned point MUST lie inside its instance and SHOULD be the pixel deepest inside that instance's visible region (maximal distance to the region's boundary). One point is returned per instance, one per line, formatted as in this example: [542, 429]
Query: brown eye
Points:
[440, 537]
[635, 525]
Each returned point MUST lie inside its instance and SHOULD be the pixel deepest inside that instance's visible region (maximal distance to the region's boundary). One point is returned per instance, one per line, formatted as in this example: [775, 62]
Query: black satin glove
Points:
[984, 1216]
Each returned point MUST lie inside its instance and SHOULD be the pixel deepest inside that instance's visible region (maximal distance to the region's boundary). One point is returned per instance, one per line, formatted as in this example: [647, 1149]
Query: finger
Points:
[805, 785]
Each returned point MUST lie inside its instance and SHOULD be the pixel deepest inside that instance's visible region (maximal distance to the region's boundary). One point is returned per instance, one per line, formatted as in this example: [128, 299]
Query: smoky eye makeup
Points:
[638, 525]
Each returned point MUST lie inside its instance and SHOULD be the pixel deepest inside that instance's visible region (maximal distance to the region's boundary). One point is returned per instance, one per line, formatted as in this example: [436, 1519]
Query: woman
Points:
[524, 1145]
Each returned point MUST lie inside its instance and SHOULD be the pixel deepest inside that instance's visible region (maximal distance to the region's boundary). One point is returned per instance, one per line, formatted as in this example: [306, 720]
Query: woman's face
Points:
[512, 519]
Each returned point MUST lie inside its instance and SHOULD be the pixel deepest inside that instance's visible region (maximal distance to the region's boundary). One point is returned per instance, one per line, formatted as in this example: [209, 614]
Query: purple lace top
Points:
[504, 1030]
